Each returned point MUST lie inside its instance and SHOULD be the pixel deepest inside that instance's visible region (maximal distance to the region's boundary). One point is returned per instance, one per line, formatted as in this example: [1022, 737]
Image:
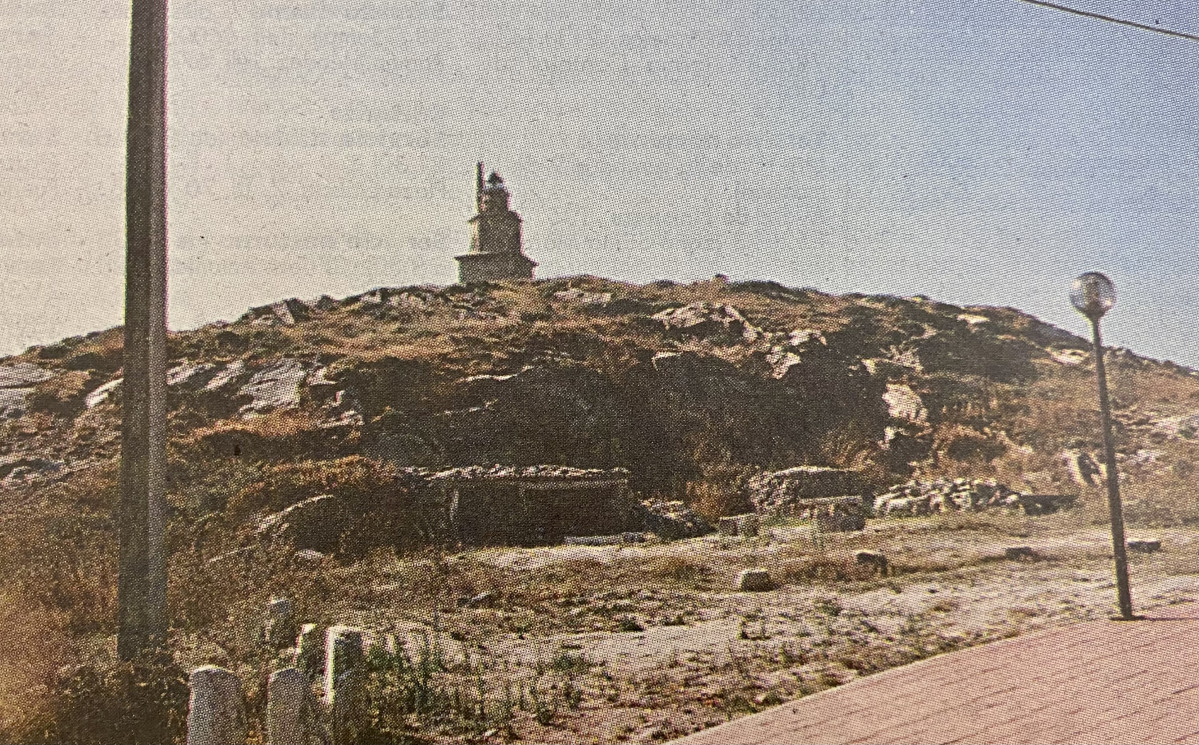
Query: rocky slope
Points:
[693, 388]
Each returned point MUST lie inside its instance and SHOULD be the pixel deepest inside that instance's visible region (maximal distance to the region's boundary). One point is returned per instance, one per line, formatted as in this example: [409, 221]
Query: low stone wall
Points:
[786, 492]
[964, 495]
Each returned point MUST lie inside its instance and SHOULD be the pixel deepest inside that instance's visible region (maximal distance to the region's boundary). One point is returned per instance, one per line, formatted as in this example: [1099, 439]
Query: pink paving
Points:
[1118, 682]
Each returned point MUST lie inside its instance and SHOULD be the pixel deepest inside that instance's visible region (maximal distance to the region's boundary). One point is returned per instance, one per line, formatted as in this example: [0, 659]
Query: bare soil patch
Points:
[648, 642]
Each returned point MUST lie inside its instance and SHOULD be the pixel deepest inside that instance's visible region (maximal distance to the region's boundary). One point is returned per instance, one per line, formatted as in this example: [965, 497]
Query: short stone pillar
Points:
[216, 713]
[344, 647]
[292, 716]
[347, 709]
[279, 629]
[310, 651]
[754, 580]
[345, 682]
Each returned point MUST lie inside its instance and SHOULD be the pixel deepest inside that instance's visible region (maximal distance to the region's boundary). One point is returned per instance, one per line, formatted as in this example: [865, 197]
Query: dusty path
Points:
[1095, 682]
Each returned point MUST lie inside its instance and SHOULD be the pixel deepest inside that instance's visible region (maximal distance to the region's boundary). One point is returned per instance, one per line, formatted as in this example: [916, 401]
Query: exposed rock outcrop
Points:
[16, 383]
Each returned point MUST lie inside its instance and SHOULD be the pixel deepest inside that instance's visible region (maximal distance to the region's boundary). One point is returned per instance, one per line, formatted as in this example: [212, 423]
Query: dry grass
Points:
[681, 569]
[283, 435]
[822, 569]
[37, 645]
[282, 485]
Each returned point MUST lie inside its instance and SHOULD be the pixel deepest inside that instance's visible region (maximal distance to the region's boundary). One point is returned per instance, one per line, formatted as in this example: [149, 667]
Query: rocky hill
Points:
[692, 388]
[330, 419]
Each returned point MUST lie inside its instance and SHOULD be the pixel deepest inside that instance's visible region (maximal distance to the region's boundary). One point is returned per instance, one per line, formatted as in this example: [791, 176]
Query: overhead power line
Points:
[1110, 19]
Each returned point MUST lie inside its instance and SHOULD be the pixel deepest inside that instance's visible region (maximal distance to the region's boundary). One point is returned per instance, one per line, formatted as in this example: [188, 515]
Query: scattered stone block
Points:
[310, 651]
[754, 580]
[279, 629]
[840, 521]
[673, 520]
[615, 539]
[1046, 504]
[1015, 553]
[309, 556]
[216, 712]
[593, 540]
[1145, 547]
[344, 647]
[292, 716]
[482, 600]
[874, 559]
[747, 525]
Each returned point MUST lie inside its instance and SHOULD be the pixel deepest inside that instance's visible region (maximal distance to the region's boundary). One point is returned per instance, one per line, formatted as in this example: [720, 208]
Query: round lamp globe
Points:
[1093, 294]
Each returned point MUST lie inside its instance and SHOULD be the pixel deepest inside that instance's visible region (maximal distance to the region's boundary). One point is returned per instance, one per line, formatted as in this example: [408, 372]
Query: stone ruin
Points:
[468, 506]
[839, 499]
[532, 505]
[789, 492]
[835, 499]
[964, 495]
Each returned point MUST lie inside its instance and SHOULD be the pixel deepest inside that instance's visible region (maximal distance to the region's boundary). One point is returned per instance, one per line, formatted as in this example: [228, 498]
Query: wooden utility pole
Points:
[142, 584]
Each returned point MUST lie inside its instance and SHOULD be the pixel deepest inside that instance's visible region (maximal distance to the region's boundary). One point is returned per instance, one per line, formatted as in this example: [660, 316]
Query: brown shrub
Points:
[676, 568]
[144, 701]
[65, 562]
[723, 490]
[823, 569]
[278, 436]
[103, 351]
[714, 501]
[36, 646]
[383, 506]
[354, 478]
[61, 395]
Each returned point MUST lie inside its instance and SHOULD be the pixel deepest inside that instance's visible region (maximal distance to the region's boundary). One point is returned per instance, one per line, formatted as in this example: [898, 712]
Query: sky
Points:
[974, 151]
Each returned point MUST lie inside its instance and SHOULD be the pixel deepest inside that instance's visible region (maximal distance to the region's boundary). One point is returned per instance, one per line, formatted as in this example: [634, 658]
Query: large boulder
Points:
[276, 386]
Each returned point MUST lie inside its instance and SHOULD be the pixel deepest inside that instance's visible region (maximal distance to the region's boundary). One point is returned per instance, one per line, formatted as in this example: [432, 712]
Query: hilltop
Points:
[687, 386]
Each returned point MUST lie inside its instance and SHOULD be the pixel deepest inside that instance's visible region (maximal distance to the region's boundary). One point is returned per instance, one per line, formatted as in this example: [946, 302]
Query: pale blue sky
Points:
[973, 151]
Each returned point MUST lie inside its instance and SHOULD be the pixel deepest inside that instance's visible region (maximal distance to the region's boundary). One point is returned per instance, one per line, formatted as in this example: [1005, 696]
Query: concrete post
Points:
[278, 630]
[344, 651]
[1114, 504]
[141, 587]
[345, 682]
[216, 712]
[291, 710]
[310, 651]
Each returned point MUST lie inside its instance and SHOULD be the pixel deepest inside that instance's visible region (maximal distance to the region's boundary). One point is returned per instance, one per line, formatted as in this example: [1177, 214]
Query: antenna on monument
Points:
[479, 184]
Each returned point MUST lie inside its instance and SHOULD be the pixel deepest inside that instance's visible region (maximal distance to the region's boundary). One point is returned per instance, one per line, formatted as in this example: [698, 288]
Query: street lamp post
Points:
[1093, 294]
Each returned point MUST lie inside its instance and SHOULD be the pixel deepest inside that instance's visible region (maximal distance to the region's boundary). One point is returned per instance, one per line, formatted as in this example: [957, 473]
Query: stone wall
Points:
[786, 492]
[536, 505]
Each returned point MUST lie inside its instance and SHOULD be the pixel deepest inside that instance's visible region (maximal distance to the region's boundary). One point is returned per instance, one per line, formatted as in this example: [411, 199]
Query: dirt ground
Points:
[648, 642]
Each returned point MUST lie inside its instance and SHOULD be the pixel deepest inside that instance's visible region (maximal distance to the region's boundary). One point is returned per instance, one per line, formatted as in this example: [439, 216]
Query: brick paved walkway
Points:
[1114, 682]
